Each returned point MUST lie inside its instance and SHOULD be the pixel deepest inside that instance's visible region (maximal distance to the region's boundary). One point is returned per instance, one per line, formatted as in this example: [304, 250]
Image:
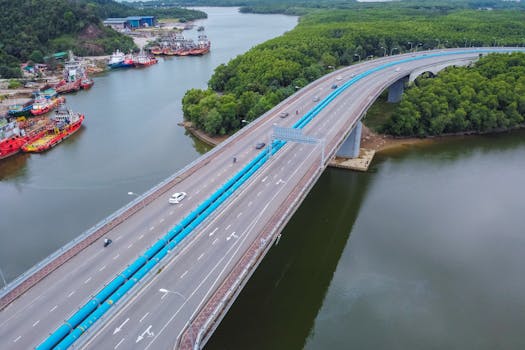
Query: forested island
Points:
[33, 29]
[253, 83]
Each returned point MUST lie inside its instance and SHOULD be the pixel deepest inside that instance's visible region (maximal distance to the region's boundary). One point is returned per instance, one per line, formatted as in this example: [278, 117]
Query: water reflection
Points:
[278, 307]
[14, 167]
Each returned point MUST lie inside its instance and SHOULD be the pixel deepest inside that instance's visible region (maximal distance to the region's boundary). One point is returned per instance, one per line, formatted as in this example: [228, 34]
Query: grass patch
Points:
[379, 113]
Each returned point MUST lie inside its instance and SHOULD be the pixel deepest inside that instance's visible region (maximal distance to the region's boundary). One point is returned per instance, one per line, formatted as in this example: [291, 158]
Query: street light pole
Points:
[3, 277]
[134, 194]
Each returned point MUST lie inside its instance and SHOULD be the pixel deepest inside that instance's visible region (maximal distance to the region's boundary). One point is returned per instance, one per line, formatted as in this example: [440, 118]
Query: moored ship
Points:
[143, 60]
[43, 105]
[86, 83]
[73, 75]
[13, 137]
[65, 123]
[119, 60]
[20, 110]
[177, 45]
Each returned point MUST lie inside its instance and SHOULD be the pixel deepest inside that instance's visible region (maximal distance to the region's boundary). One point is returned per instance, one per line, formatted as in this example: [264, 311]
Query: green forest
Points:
[254, 82]
[487, 97]
[30, 30]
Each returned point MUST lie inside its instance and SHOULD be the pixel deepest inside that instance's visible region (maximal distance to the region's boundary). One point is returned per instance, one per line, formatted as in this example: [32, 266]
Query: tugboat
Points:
[119, 60]
[203, 45]
[143, 60]
[65, 123]
[86, 83]
[73, 73]
[43, 105]
[12, 138]
[20, 110]
[156, 50]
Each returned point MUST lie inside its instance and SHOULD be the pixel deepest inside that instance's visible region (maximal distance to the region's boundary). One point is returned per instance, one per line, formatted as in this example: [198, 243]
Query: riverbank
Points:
[369, 139]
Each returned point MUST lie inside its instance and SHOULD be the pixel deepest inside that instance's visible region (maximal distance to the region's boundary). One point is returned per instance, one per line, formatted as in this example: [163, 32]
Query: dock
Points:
[360, 163]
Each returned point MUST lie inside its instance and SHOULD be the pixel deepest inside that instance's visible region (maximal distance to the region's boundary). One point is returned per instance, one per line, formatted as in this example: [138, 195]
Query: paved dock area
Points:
[360, 163]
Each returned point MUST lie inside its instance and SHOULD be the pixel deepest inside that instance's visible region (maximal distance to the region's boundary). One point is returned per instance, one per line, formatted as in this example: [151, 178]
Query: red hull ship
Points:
[17, 138]
[143, 60]
[64, 87]
[42, 105]
[65, 124]
[86, 83]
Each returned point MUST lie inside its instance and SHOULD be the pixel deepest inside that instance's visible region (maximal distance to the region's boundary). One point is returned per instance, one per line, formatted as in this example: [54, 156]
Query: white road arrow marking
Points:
[147, 332]
[119, 328]
[232, 236]
[212, 232]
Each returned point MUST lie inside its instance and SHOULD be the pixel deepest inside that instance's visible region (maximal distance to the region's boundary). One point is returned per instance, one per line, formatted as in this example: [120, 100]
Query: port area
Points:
[360, 163]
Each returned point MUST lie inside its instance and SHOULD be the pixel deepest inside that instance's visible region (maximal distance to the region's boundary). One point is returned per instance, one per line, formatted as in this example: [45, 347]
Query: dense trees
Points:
[487, 97]
[268, 73]
[31, 29]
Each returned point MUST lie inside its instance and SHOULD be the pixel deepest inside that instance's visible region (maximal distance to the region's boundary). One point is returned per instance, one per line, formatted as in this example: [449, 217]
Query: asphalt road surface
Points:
[155, 313]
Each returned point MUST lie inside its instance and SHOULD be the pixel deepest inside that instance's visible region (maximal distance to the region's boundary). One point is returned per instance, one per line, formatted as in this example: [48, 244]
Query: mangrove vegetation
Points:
[254, 82]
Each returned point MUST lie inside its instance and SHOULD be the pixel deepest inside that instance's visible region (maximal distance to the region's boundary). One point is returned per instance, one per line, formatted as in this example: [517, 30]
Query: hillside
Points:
[32, 29]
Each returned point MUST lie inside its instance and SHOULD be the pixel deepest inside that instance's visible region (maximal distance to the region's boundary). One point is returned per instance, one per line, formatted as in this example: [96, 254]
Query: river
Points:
[130, 142]
[425, 251]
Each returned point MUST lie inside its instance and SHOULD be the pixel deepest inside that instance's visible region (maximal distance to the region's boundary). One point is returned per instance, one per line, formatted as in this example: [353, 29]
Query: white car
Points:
[339, 78]
[177, 197]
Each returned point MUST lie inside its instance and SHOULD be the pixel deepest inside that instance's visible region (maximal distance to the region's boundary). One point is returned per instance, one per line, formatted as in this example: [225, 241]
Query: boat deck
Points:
[40, 142]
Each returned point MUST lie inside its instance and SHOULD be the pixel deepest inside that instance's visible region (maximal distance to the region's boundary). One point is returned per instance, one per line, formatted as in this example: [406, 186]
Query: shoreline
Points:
[379, 143]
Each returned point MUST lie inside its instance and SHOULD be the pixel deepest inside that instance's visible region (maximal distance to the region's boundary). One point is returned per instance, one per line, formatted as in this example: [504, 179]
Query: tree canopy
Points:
[265, 75]
[32, 29]
[486, 97]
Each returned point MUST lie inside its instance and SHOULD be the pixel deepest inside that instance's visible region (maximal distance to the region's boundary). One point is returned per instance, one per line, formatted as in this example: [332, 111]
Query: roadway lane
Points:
[192, 276]
[27, 321]
[43, 308]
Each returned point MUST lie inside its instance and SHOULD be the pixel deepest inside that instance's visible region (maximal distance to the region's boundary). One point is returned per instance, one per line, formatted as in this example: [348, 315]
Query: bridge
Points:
[174, 270]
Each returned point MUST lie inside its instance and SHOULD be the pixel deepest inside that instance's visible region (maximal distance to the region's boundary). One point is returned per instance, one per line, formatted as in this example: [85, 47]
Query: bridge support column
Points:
[350, 148]
[395, 91]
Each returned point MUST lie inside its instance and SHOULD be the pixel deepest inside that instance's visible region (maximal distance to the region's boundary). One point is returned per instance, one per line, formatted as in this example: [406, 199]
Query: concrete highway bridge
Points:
[174, 270]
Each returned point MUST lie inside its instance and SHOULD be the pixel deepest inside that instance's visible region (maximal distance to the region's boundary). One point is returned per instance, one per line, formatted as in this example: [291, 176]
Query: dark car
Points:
[260, 145]
[334, 86]
[283, 115]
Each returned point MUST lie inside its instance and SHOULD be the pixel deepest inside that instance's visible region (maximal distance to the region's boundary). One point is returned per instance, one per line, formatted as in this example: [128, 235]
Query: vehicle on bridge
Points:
[177, 197]
[283, 115]
[260, 145]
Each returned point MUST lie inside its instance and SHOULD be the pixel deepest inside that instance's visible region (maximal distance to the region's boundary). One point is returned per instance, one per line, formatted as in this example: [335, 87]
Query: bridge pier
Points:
[395, 91]
[350, 147]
